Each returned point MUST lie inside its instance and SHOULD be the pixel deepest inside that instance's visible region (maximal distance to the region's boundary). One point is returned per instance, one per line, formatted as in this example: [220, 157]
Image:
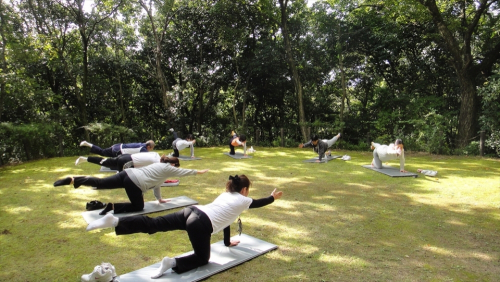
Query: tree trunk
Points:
[468, 110]
[293, 68]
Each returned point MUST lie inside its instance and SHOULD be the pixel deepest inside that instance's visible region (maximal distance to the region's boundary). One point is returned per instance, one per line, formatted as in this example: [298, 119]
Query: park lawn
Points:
[336, 221]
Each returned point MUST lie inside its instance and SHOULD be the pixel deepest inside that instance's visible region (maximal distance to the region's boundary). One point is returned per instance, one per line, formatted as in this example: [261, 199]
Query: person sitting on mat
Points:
[237, 141]
[383, 153]
[200, 222]
[120, 148]
[136, 182]
[117, 163]
[320, 146]
[179, 144]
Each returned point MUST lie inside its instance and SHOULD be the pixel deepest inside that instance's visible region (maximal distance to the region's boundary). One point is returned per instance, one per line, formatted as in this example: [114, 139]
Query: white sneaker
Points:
[80, 160]
[107, 265]
[98, 275]
[171, 130]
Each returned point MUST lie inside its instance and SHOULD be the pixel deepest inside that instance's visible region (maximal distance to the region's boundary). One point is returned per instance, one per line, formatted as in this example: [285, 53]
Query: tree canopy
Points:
[420, 70]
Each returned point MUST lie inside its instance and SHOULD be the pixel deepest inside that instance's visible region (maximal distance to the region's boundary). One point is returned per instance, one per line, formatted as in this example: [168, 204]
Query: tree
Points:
[467, 32]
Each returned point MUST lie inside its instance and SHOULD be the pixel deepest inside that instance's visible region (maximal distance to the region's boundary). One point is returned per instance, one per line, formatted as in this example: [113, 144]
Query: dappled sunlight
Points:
[338, 259]
[16, 209]
[455, 222]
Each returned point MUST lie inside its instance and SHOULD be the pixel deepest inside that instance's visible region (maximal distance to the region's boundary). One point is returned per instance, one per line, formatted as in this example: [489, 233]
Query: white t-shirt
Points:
[145, 159]
[225, 209]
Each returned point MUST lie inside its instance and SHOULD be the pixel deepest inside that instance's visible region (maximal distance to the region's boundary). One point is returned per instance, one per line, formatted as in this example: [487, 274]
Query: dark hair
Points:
[243, 138]
[314, 137]
[170, 160]
[189, 137]
[236, 183]
[398, 141]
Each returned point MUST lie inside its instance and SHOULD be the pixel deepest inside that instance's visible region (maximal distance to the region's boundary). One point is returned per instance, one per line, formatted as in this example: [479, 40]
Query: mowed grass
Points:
[336, 221]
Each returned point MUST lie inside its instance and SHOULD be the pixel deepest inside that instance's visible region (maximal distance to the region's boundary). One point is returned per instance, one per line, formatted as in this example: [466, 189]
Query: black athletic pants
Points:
[113, 163]
[174, 146]
[119, 180]
[194, 221]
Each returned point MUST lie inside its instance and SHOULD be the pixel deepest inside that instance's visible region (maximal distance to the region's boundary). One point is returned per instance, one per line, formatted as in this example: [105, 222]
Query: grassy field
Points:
[336, 221]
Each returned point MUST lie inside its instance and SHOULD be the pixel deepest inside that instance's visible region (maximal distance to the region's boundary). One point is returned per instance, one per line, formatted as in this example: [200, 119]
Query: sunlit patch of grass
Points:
[336, 221]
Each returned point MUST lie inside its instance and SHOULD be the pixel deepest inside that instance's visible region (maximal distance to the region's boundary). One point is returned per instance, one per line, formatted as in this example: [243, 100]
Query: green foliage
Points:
[108, 134]
[490, 118]
[29, 141]
[430, 133]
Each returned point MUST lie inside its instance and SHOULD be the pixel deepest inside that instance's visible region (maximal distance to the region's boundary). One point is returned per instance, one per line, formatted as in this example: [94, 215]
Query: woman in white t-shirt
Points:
[199, 221]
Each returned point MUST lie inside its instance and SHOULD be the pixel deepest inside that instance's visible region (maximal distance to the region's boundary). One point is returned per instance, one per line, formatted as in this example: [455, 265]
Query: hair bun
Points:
[236, 179]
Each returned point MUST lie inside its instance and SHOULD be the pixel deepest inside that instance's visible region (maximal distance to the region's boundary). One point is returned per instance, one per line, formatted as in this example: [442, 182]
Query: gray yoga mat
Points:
[329, 158]
[238, 156]
[221, 258]
[188, 158]
[391, 171]
[149, 207]
[107, 169]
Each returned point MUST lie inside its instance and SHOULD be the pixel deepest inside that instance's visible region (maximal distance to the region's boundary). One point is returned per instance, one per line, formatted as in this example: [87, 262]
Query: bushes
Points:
[29, 141]
[490, 118]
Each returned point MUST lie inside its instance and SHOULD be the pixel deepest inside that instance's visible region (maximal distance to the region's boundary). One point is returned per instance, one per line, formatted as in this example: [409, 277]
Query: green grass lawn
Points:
[336, 221]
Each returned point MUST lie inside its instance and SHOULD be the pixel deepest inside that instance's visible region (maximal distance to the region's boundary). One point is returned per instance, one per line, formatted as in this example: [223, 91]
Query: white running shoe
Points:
[80, 160]
[98, 275]
[107, 265]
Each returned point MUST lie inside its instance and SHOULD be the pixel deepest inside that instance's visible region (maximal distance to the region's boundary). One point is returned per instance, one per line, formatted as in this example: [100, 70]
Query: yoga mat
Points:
[149, 207]
[188, 158]
[329, 158]
[107, 169]
[238, 156]
[391, 171]
[221, 258]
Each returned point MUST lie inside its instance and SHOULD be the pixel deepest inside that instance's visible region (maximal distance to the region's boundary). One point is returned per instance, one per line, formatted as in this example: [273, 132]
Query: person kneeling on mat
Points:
[136, 182]
[117, 163]
[179, 144]
[200, 222]
[383, 153]
[237, 141]
[320, 146]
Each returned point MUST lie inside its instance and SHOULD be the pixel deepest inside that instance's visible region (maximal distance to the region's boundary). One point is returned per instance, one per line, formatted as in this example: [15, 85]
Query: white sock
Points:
[85, 143]
[166, 263]
[106, 221]
[80, 160]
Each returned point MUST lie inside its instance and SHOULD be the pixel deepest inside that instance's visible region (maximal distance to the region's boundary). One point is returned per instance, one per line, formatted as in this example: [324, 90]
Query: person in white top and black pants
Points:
[199, 221]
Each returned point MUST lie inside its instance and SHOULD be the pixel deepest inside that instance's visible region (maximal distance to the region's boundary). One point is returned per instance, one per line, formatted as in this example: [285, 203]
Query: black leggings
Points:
[194, 221]
[119, 180]
[113, 163]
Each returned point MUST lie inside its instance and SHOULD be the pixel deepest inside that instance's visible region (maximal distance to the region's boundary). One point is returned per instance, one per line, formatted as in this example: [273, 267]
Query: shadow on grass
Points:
[335, 222]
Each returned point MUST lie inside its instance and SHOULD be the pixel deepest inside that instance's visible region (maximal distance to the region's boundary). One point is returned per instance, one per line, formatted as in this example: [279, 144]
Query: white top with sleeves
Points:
[391, 152]
[145, 159]
[244, 144]
[225, 209]
[154, 175]
[183, 144]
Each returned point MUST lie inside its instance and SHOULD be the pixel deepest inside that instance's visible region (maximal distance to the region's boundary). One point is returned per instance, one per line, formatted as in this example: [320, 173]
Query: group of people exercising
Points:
[140, 169]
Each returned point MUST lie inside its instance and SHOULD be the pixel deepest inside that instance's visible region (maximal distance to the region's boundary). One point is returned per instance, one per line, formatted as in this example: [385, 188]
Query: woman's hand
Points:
[403, 170]
[234, 243]
[301, 145]
[201, 171]
[162, 201]
[276, 195]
